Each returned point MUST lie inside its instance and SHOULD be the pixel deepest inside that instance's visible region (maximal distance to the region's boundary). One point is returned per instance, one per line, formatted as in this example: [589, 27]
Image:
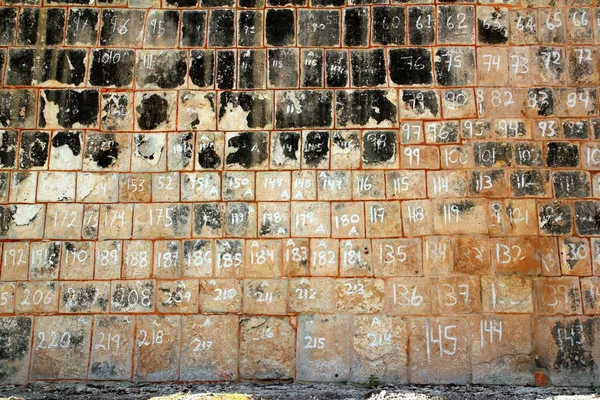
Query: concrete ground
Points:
[296, 391]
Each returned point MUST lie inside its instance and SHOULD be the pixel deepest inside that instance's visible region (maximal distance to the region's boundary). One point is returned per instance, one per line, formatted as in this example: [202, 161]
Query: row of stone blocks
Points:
[369, 348]
[296, 109]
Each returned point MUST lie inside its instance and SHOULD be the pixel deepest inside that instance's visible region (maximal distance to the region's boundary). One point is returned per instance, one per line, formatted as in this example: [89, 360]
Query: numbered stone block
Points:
[439, 351]
[336, 68]
[408, 296]
[122, 28]
[177, 296]
[304, 185]
[15, 349]
[7, 297]
[209, 348]
[356, 295]
[558, 296]
[323, 348]
[208, 219]
[516, 255]
[84, 297]
[200, 186]
[501, 349]
[198, 258]
[112, 346]
[36, 297]
[25, 101]
[460, 217]
[229, 256]
[379, 349]
[266, 348]
[506, 294]
[116, 113]
[107, 152]
[324, 257]
[201, 71]
[250, 28]
[166, 220]
[308, 295]
[590, 287]
[567, 350]
[221, 295]
[132, 296]
[455, 294]
[60, 347]
[157, 354]
[15, 260]
[265, 296]
[575, 256]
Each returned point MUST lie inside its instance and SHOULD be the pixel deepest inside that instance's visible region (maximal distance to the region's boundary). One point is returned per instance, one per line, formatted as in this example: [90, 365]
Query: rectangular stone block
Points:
[323, 348]
[209, 348]
[156, 356]
[61, 346]
[112, 347]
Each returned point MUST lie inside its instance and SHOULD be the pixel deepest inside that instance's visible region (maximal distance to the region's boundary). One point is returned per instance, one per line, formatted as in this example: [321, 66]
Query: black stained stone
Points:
[411, 66]
[74, 107]
[359, 106]
[251, 69]
[283, 67]
[421, 101]
[8, 25]
[314, 109]
[368, 67]
[55, 23]
[336, 68]
[28, 26]
[528, 155]
[555, 55]
[102, 148]
[14, 348]
[225, 69]
[82, 27]
[289, 143]
[251, 149]
[221, 28]
[388, 25]
[20, 67]
[65, 66]
[277, 3]
[250, 28]
[327, 3]
[169, 69]
[556, 218]
[258, 109]
[112, 67]
[69, 139]
[312, 68]
[492, 34]
[8, 149]
[16, 107]
[34, 149]
[208, 215]
[576, 129]
[488, 154]
[320, 28]
[463, 76]
[423, 17]
[378, 147]
[544, 100]
[356, 26]
[560, 154]
[217, 3]
[161, 28]
[122, 27]
[193, 28]
[315, 148]
[587, 217]
[570, 184]
[153, 110]
[208, 157]
[280, 26]
[251, 3]
[529, 182]
[182, 3]
[202, 63]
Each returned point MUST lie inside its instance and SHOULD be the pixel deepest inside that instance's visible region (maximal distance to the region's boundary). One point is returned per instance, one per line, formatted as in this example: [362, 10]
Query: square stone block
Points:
[112, 347]
[157, 348]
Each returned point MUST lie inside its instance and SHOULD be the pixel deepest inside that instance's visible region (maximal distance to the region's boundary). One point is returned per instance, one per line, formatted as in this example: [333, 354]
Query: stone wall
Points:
[202, 190]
